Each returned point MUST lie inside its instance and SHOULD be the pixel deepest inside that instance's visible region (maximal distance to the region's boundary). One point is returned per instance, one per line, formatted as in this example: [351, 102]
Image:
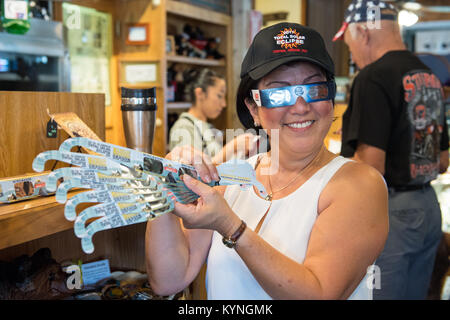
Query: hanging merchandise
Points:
[130, 186]
[14, 16]
[23, 187]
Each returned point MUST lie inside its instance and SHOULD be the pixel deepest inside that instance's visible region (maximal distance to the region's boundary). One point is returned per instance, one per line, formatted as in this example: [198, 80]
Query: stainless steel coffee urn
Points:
[139, 115]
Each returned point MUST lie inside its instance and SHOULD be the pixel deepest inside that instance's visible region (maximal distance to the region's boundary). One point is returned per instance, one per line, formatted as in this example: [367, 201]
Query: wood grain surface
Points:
[23, 124]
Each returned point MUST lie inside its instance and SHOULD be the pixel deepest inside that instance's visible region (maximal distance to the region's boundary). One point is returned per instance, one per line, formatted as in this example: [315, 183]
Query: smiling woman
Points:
[325, 221]
[302, 123]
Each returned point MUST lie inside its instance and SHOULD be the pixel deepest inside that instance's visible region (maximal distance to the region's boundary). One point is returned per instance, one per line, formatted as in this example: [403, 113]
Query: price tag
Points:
[52, 129]
[95, 271]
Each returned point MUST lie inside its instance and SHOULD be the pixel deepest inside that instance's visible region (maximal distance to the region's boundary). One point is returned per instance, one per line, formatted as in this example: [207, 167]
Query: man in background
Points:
[395, 122]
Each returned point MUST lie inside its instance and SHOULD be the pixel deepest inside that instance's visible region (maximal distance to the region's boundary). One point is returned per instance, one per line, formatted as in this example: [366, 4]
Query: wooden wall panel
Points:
[23, 124]
[141, 11]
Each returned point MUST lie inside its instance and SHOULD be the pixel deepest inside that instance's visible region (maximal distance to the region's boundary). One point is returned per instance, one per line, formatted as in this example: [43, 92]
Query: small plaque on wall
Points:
[140, 73]
[138, 34]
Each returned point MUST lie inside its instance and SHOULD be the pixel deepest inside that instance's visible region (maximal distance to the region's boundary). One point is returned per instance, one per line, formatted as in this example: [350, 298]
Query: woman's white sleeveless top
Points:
[287, 227]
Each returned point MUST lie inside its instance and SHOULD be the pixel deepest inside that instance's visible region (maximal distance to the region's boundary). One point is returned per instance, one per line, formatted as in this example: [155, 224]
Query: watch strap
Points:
[231, 241]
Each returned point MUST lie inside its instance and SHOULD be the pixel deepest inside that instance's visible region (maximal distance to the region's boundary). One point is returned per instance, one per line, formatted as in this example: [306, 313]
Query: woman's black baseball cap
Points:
[274, 46]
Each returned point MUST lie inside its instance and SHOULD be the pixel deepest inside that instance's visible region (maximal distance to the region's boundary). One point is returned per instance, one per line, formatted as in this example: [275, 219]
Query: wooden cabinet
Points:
[23, 124]
[30, 225]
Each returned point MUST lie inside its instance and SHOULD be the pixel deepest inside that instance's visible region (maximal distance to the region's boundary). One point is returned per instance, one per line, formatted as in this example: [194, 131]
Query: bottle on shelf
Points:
[15, 16]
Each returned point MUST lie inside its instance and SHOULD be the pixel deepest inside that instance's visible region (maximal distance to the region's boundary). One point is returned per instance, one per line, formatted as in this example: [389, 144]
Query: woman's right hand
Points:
[210, 211]
[201, 162]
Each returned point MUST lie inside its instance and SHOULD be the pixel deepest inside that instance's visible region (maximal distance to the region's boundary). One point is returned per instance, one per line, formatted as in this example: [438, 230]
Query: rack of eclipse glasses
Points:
[128, 186]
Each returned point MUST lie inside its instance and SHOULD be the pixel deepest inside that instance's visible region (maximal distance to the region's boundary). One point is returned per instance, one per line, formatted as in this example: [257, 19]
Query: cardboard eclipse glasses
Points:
[287, 96]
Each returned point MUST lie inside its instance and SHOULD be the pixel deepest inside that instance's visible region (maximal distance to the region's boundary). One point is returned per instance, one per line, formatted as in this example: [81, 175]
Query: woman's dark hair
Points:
[244, 92]
[199, 78]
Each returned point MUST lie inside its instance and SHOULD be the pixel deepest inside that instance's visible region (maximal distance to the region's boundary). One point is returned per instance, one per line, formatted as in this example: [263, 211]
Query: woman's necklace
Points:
[270, 195]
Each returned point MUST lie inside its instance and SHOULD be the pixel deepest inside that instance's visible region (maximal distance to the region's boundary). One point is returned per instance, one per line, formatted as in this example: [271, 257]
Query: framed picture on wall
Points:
[138, 34]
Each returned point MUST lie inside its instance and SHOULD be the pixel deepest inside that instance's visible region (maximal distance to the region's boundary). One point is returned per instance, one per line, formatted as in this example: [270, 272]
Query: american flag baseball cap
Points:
[366, 10]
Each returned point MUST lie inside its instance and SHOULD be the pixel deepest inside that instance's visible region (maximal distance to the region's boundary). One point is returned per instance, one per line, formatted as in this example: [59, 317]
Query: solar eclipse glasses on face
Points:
[286, 96]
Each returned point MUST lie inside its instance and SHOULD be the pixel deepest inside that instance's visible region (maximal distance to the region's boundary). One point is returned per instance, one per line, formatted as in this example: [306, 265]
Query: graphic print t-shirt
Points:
[396, 105]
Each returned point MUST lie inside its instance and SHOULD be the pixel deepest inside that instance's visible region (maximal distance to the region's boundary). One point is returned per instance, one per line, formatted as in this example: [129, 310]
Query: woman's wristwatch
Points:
[231, 241]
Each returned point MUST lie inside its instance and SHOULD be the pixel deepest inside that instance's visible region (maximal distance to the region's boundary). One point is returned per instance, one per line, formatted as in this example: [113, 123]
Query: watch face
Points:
[228, 242]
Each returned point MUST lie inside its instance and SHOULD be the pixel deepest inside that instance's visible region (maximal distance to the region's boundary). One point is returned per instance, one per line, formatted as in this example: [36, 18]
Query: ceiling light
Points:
[407, 18]
[412, 6]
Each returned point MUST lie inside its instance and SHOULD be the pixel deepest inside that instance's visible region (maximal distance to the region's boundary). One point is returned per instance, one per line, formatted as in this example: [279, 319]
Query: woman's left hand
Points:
[210, 211]
[187, 154]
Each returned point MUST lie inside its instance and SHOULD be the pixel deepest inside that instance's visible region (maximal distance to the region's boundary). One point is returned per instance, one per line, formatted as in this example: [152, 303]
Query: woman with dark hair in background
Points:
[206, 90]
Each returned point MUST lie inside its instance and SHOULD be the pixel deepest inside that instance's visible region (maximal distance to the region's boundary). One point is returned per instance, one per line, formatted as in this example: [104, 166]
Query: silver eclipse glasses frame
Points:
[287, 96]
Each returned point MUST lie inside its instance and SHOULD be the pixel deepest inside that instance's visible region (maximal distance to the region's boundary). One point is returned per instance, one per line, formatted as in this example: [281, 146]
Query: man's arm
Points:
[372, 156]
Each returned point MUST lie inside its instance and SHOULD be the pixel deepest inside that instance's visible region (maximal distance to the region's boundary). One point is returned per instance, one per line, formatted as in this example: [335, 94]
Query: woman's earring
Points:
[256, 123]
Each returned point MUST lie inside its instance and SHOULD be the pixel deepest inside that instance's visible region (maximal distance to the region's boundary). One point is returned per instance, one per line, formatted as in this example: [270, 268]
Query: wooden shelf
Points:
[178, 105]
[139, 85]
[37, 223]
[196, 61]
[31, 219]
[194, 12]
[178, 15]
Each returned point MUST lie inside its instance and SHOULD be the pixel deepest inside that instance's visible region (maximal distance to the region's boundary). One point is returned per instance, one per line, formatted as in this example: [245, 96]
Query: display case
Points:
[36, 61]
